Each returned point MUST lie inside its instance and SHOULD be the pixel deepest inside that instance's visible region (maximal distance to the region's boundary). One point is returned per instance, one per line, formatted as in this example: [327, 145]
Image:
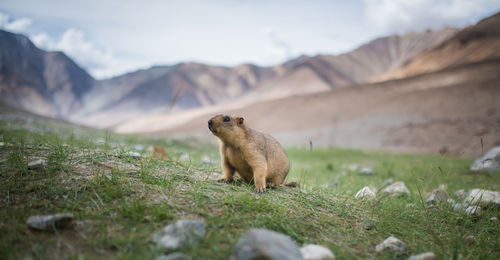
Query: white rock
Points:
[366, 171]
[138, 147]
[473, 211]
[2, 144]
[184, 157]
[316, 252]
[366, 193]
[423, 256]
[258, 243]
[180, 234]
[460, 194]
[489, 162]
[393, 244]
[134, 155]
[397, 188]
[205, 159]
[459, 207]
[45, 222]
[493, 219]
[37, 163]
[483, 197]
[437, 196]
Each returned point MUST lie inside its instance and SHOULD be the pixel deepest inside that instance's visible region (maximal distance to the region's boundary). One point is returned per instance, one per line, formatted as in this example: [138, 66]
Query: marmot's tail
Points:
[290, 184]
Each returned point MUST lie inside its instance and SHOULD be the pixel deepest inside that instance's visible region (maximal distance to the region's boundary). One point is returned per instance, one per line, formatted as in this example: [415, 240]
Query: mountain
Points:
[472, 44]
[171, 89]
[46, 83]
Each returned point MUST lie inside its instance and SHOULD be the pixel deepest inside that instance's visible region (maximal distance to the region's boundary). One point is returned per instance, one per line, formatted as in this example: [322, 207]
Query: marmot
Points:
[256, 156]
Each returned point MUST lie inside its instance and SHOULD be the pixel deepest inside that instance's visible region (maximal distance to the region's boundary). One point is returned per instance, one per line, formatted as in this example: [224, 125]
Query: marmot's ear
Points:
[240, 120]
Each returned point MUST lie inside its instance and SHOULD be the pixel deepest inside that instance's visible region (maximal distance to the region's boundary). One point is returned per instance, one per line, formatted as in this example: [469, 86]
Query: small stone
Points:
[451, 201]
[423, 256]
[174, 256]
[45, 222]
[260, 243]
[366, 193]
[100, 141]
[474, 211]
[393, 244]
[366, 171]
[184, 157]
[205, 159]
[488, 162]
[397, 188]
[36, 164]
[316, 252]
[2, 144]
[459, 207]
[483, 197]
[180, 234]
[469, 239]
[134, 155]
[493, 219]
[460, 194]
[139, 147]
[436, 196]
[387, 183]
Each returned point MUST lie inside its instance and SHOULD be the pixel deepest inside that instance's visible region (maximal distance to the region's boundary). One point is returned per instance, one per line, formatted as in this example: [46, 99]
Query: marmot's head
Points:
[227, 128]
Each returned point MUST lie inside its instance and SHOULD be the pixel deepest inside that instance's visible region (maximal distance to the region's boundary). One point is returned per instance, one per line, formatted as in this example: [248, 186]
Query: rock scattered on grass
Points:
[366, 193]
[397, 188]
[2, 144]
[493, 219]
[173, 256]
[180, 234]
[366, 171]
[260, 243]
[488, 162]
[36, 164]
[423, 256]
[134, 155]
[460, 194]
[393, 244]
[316, 252]
[436, 196]
[474, 211]
[47, 222]
[483, 197]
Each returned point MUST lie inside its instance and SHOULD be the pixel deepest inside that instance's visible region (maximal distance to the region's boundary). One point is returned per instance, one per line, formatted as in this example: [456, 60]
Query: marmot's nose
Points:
[210, 122]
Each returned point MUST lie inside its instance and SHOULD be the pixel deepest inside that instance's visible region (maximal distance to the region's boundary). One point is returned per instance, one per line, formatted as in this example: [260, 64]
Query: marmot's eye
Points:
[226, 119]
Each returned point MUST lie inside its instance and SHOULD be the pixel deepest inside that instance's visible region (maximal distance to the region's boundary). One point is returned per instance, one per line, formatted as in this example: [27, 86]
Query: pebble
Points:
[460, 194]
[494, 219]
[423, 256]
[45, 222]
[366, 193]
[260, 243]
[391, 243]
[134, 155]
[436, 196]
[473, 211]
[366, 171]
[180, 234]
[483, 197]
[397, 188]
[316, 252]
[36, 164]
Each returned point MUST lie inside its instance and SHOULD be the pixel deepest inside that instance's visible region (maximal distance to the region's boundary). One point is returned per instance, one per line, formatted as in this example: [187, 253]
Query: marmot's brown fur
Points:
[257, 157]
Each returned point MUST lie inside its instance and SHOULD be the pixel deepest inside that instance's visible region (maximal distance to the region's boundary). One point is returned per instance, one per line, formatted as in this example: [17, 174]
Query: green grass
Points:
[118, 210]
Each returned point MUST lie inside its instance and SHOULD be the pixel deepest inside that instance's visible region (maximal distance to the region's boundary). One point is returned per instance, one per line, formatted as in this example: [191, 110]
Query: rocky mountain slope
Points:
[472, 44]
[185, 86]
[46, 83]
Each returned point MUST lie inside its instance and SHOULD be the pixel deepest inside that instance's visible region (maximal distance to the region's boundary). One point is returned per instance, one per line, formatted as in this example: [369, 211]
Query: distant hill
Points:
[46, 83]
[170, 89]
[472, 44]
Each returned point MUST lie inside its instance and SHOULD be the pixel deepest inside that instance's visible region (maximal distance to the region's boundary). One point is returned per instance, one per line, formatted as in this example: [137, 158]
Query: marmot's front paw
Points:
[260, 190]
[225, 179]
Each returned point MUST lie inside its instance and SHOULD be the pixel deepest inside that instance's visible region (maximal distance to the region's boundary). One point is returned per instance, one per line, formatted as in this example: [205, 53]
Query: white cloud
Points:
[17, 25]
[415, 15]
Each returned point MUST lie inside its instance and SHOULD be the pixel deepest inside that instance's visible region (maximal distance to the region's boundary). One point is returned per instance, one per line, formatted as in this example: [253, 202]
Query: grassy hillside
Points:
[119, 201]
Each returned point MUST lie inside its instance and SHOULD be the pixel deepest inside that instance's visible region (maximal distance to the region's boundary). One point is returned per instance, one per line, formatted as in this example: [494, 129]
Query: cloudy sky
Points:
[109, 38]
